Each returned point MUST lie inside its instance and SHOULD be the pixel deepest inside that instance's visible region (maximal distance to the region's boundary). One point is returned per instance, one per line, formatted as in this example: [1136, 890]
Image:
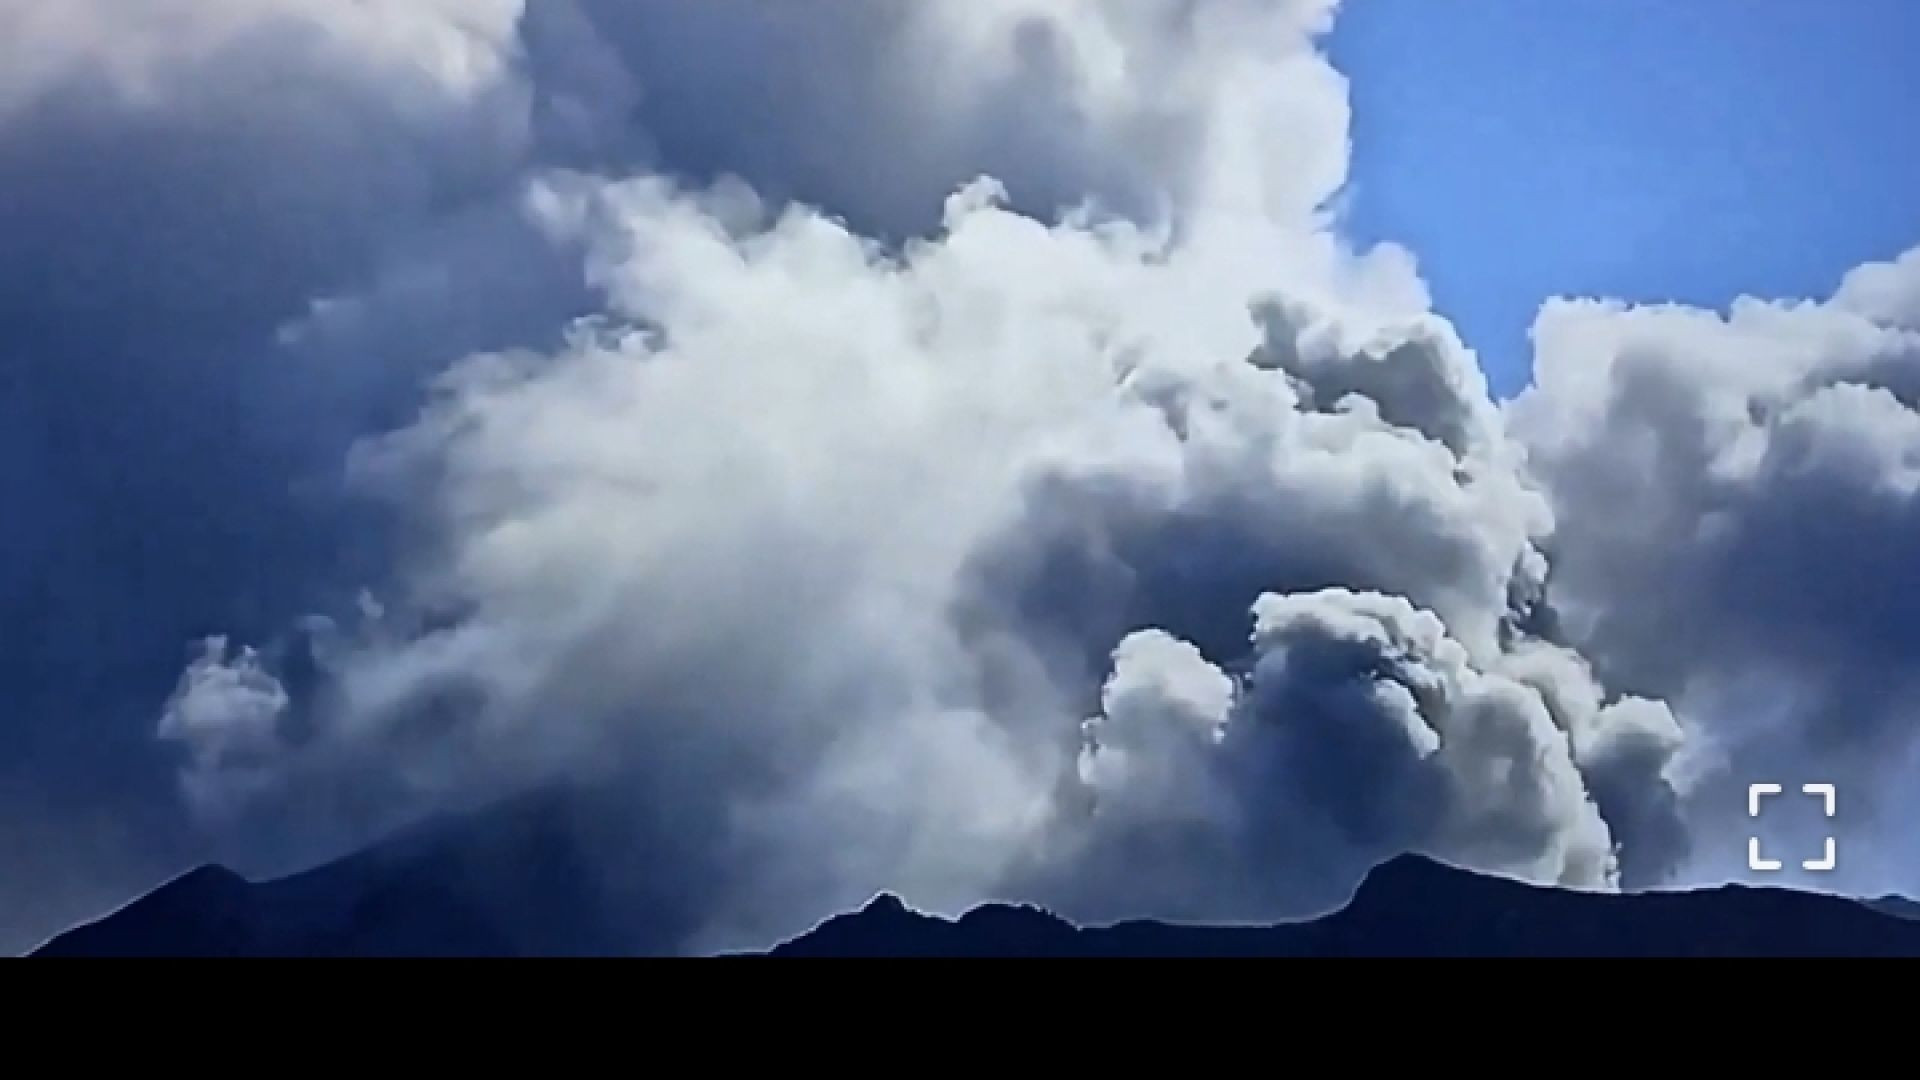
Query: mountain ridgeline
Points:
[507, 882]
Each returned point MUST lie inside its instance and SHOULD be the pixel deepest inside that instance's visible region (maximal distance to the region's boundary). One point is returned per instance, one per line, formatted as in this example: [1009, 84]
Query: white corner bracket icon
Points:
[1755, 861]
[1826, 860]
[1827, 795]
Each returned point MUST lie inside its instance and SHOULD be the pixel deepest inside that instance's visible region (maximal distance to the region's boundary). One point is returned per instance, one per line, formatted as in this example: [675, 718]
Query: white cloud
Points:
[228, 712]
[1736, 500]
[1162, 709]
[1887, 292]
[154, 51]
[1362, 730]
[825, 543]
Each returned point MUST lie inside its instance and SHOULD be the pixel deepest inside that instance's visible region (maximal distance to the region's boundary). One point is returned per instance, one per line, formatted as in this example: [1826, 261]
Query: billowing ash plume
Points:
[1737, 516]
[943, 447]
[829, 546]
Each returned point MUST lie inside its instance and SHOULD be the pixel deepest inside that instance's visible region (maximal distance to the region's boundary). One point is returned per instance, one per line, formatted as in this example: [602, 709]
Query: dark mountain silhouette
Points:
[1897, 906]
[1413, 906]
[511, 881]
[507, 881]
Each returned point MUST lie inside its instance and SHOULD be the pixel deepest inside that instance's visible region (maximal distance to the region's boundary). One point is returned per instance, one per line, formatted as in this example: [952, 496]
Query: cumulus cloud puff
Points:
[1361, 729]
[942, 447]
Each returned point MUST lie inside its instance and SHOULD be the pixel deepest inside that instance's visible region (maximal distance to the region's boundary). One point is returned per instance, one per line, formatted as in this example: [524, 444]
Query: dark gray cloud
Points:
[1735, 497]
[238, 235]
[1360, 729]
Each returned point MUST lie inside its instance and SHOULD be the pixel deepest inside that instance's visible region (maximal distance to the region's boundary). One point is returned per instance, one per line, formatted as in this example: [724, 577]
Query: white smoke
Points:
[824, 546]
[1737, 503]
[1362, 730]
[228, 712]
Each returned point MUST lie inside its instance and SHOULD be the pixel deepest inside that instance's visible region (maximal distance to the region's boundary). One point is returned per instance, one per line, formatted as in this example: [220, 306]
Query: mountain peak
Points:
[203, 912]
[208, 877]
[886, 903]
[1412, 868]
[1411, 876]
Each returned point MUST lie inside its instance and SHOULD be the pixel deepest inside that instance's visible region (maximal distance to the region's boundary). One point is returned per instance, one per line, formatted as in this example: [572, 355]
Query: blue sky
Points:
[1645, 149]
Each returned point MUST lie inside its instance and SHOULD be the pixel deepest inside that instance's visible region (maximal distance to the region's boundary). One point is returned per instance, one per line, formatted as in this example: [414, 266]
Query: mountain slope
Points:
[1898, 906]
[511, 881]
[507, 881]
